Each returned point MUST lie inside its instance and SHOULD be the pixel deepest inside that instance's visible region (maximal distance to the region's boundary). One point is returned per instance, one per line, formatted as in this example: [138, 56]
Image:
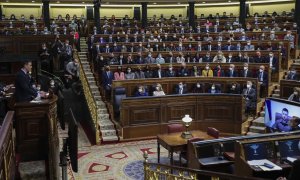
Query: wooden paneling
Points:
[287, 88]
[36, 133]
[7, 153]
[223, 111]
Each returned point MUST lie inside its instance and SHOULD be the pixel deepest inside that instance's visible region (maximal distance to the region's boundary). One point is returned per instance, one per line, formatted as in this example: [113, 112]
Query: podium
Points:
[37, 134]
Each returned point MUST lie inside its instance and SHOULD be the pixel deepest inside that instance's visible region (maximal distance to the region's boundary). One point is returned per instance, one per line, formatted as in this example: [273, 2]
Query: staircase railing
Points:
[154, 171]
[91, 102]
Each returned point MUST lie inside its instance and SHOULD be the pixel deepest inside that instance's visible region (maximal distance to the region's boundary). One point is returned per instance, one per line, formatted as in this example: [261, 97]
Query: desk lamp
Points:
[187, 120]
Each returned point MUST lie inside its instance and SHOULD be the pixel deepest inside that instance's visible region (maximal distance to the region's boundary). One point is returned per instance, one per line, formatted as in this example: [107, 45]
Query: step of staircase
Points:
[110, 139]
[33, 170]
[102, 117]
[111, 132]
[259, 122]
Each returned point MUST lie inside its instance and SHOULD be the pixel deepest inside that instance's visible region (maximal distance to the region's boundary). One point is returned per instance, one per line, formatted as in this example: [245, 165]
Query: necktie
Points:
[181, 91]
[245, 73]
[247, 92]
[261, 76]
[107, 51]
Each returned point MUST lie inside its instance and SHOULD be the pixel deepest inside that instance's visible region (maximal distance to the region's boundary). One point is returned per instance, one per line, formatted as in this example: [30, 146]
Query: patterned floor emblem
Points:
[81, 154]
[118, 155]
[135, 170]
[149, 150]
[95, 167]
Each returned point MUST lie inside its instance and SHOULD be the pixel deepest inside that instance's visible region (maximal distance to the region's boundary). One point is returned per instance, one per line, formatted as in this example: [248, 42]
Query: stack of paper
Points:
[260, 163]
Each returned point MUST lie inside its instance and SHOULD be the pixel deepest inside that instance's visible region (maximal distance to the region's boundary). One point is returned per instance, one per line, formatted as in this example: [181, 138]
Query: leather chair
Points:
[213, 132]
[190, 152]
[119, 94]
[174, 128]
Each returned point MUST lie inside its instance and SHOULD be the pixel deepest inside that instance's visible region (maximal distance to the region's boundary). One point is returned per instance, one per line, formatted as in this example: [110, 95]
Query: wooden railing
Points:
[89, 97]
[162, 171]
[7, 146]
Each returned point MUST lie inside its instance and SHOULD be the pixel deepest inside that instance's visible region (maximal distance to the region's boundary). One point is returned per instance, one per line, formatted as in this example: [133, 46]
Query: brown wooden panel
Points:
[287, 88]
[223, 111]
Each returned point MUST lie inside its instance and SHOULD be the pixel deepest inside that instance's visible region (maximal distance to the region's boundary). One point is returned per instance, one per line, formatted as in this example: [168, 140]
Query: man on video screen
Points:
[282, 121]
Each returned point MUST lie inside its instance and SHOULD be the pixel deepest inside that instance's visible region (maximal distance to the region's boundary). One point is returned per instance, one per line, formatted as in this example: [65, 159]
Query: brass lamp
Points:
[187, 120]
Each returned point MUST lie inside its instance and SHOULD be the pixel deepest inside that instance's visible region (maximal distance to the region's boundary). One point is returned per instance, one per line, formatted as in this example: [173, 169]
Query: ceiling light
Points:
[229, 1]
[7, 0]
[57, 1]
[178, 3]
[33, 1]
[203, 2]
[107, 2]
[154, 3]
[83, 2]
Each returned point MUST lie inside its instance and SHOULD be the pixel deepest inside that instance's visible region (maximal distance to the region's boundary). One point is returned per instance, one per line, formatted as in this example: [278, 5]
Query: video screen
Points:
[289, 148]
[257, 151]
[278, 115]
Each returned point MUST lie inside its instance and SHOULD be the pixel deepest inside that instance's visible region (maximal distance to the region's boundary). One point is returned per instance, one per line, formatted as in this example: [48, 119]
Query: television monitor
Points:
[278, 113]
[256, 151]
[289, 148]
[72, 141]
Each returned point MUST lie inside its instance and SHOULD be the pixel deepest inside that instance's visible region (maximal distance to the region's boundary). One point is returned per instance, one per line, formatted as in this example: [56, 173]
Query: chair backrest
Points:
[294, 173]
[174, 128]
[119, 94]
[213, 132]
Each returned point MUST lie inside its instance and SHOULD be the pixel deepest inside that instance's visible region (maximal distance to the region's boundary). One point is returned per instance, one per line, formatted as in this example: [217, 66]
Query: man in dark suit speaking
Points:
[24, 87]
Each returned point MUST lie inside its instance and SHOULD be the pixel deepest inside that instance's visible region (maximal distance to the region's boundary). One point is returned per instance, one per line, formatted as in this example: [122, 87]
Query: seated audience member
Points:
[139, 59]
[139, 74]
[197, 58]
[183, 72]
[295, 96]
[262, 80]
[207, 72]
[170, 72]
[195, 71]
[129, 74]
[141, 91]
[258, 58]
[247, 58]
[219, 72]
[25, 90]
[158, 90]
[234, 88]
[294, 123]
[170, 59]
[232, 72]
[198, 88]
[44, 63]
[158, 72]
[249, 94]
[249, 47]
[292, 75]
[159, 59]
[119, 74]
[207, 58]
[219, 58]
[180, 58]
[147, 72]
[246, 72]
[180, 88]
[230, 59]
[214, 89]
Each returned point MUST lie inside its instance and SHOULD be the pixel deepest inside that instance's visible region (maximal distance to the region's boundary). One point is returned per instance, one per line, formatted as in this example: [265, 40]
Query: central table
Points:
[173, 142]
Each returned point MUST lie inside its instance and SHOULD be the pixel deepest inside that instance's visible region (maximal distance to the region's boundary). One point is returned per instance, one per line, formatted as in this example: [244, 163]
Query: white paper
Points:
[291, 159]
[260, 163]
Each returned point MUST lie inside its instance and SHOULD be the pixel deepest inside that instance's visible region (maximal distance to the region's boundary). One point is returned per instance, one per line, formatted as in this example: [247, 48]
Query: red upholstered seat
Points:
[174, 128]
[213, 132]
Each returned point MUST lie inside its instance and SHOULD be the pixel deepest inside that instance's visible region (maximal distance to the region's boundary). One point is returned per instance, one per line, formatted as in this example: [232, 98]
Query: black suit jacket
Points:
[249, 73]
[24, 90]
[265, 78]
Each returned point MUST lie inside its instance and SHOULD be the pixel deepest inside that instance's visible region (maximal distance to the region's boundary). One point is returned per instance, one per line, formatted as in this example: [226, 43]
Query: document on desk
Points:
[261, 164]
[290, 159]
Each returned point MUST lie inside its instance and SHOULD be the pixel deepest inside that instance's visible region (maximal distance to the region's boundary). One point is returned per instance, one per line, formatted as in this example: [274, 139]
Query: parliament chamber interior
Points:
[149, 89]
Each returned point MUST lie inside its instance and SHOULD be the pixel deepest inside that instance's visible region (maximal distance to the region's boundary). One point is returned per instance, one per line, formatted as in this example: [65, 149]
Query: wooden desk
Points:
[174, 142]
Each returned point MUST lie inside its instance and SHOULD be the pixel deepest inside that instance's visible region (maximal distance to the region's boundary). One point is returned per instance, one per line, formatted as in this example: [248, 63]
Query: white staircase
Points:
[107, 128]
